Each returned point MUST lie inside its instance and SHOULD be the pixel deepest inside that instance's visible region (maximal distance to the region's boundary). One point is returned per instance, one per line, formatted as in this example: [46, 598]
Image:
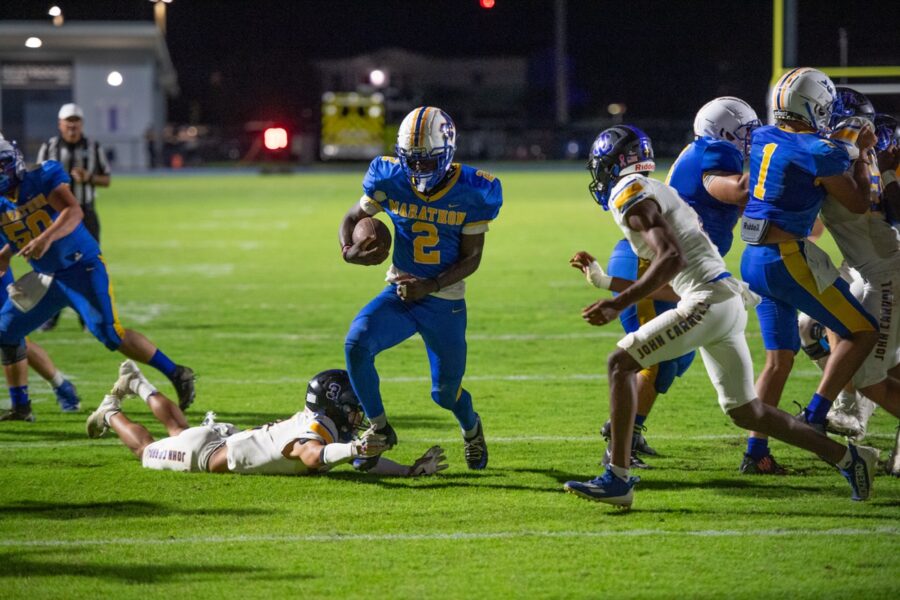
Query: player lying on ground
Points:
[312, 441]
[709, 176]
[441, 211]
[711, 316]
[42, 223]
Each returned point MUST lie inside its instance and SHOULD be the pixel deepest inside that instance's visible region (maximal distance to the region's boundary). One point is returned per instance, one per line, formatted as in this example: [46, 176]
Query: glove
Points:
[597, 276]
[369, 443]
[429, 463]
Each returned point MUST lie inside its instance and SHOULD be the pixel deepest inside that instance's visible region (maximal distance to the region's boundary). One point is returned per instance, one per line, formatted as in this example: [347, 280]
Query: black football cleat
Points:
[18, 414]
[183, 381]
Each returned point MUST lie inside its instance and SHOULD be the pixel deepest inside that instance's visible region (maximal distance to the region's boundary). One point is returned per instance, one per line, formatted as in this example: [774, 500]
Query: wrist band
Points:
[888, 177]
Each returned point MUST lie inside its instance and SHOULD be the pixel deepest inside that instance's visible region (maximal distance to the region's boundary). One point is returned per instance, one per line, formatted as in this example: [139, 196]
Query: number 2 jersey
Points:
[428, 229]
[26, 215]
[784, 172]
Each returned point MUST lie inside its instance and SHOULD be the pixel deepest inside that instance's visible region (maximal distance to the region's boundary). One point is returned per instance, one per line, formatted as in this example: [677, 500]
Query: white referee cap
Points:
[70, 110]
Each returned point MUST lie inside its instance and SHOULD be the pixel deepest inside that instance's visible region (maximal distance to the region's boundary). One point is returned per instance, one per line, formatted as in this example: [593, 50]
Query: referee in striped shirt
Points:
[86, 163]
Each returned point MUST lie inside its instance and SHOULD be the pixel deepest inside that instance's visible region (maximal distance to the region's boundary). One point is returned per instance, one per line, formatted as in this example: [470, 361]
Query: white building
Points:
[119, 73]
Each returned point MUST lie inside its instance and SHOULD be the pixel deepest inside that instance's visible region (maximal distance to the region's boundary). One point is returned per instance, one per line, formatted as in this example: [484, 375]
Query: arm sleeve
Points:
[479, 217]
[722, 156]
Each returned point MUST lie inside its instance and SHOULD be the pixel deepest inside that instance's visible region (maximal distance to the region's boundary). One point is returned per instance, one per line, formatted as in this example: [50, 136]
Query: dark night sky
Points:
[662, 58]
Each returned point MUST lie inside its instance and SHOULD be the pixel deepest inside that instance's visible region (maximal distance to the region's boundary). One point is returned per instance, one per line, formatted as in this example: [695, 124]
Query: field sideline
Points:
[240, 277]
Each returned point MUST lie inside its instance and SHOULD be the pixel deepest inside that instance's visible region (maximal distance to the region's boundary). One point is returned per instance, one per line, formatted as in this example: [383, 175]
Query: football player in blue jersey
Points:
[440, 211]
[40, 220]
[792, 168]
[709, 176]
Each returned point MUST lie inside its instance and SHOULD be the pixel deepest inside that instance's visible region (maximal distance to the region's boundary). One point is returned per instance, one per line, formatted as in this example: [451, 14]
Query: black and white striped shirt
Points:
[86, 154]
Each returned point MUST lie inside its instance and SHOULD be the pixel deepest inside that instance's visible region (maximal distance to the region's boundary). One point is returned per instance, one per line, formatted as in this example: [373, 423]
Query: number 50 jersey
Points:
[26, 216]
[428, 229]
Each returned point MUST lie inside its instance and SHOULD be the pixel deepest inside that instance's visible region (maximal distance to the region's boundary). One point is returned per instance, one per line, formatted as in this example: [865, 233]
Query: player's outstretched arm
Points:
[363, 252]
[70, 215]
[645, 218]
[433, 461]
[597, 277]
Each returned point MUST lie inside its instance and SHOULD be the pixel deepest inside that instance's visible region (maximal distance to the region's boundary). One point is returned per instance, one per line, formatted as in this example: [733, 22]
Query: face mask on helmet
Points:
[806, 95]
[12, 166]
[331, 394]
[887, 132]
[426, 143]
[850, 103]
[617, 151]
[729, 119]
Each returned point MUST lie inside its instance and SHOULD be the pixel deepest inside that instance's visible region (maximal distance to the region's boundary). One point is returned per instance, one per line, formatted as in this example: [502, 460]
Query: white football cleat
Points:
[96, 423]
[130, 377]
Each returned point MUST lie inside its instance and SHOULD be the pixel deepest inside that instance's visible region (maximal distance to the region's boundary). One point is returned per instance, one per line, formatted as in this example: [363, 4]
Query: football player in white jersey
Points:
[711, 316]
[312, 441]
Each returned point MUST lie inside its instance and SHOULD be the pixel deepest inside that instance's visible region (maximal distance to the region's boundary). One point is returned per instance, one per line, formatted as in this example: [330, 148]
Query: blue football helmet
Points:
[331, 394]
[617, 151]
[426, 143]
[850, 103]
[12, 166]
[887, 130]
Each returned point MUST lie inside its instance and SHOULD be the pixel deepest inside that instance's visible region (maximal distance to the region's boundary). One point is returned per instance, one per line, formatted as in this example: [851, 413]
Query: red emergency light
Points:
[487, 4]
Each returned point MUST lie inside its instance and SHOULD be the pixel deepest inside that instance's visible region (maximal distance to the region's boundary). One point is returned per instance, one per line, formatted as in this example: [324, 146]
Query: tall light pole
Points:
[159, 14]
[562, 80]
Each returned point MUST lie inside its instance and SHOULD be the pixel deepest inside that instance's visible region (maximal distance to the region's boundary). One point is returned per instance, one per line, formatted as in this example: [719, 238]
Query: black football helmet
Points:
[617, 151]
[331, 394]
[850, 103]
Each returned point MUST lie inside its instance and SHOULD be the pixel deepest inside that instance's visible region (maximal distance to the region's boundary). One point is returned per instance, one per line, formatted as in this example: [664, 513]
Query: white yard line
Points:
[450, 536]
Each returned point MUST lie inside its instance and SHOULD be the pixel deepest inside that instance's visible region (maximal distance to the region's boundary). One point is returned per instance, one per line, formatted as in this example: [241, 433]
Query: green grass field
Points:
[240, 277]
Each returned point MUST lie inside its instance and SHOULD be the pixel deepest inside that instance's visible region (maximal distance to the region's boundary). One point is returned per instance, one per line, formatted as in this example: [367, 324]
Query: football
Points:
[370, 226]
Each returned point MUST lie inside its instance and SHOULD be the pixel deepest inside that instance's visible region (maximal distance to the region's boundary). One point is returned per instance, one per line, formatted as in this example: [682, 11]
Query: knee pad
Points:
[813, 340]
[13, 354]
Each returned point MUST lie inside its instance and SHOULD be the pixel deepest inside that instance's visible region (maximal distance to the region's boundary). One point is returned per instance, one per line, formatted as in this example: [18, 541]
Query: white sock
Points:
[619, 472]
[57, 380]
[108, 415]
[144, 389]
[845, 462]
[380, 421]
[470, 433]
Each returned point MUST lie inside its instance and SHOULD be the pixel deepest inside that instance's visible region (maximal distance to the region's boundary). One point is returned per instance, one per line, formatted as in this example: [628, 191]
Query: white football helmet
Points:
[426, 143]
[729, 119]
[804, 94]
